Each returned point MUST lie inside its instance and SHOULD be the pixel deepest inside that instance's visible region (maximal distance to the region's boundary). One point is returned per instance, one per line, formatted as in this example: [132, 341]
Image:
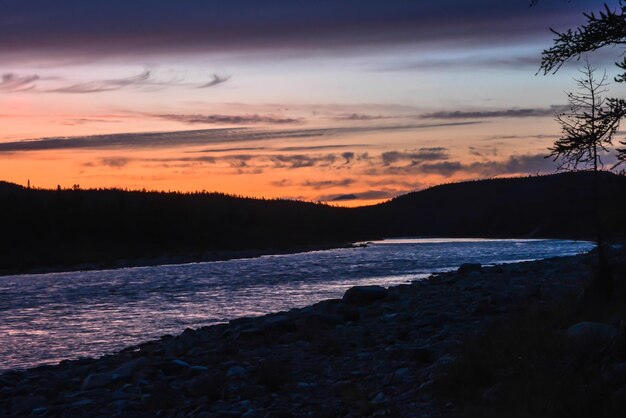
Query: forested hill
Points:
[559, 205]
[65, 228]
[69, 227]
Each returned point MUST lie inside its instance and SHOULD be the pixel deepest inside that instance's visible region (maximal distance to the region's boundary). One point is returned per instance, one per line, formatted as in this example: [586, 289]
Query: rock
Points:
[484, 307]
[120, 404]
[97, 380]
[181, 363]
[590, 337]
[280, 414]
[205, 386]
[236, 371]
[173, 367]
[615, 374]
[379, 398]
[619, 399]
[402, 374]
[349, 313]
[474, 275]
[411, 353]
[491, 394]
[127, 369]
[423, 355]
[364, 295]
[23, 405]
[468, 268]
[252, 414]
[426, 386]
[119, 394]
[82, 403]
[228, 414]
[275, 325]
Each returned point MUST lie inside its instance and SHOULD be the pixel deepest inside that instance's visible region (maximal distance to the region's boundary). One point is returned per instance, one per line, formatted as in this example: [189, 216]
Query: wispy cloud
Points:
[364, 195]
[321, 147]
[286, 161]
[115, 162]
[515, 164]
[227, 119]
[463, 63]
[480, 151]
[282, 183]
[145, 81]
[327, 184]
[303, 160]
[299, 148]
[217, 79]
[359, 117]
[200, 137]
[415, 157]
[500, 113]
[13, 82]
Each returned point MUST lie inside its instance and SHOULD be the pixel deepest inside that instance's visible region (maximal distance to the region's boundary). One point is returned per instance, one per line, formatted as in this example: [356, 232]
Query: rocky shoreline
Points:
[375, 352]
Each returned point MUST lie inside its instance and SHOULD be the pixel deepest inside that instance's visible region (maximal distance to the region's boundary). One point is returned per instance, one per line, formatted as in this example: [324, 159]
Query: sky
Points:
[346, 102]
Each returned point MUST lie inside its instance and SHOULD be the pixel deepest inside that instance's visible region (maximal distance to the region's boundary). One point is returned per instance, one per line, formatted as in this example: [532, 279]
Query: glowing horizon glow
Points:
[377, 105]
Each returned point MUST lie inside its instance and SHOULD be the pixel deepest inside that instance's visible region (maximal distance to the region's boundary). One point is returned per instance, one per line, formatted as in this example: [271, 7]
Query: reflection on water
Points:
[49, 317]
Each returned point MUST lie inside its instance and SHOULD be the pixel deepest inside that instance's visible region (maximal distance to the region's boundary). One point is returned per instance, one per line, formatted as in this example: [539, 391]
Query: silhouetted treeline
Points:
[558, 206]
[65, 228]
[68, 227]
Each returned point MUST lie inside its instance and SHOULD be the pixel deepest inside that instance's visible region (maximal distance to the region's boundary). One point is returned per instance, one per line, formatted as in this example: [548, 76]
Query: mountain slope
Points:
[56, 228]
[559, 205]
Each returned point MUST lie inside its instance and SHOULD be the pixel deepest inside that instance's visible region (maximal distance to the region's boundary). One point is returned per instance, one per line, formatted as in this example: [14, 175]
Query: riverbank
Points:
[375, 352]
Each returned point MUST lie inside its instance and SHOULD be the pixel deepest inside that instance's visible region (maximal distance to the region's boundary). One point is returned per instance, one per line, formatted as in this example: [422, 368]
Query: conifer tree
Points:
[606, 28]
[587, 131]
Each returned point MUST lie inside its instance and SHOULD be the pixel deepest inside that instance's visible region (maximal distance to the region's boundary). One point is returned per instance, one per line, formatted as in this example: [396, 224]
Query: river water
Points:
[46, 318]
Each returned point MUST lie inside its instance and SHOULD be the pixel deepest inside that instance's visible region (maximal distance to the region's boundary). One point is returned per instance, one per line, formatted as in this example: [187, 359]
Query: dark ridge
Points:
[52, 228]
[552, 206]
[5, 186]
[62, 229]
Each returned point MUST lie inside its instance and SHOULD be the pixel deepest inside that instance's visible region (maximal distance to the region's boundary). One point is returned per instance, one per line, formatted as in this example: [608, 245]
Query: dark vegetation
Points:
[556, 206]
[70, 227]
[531, 366]
[607, 28]
[65, 228]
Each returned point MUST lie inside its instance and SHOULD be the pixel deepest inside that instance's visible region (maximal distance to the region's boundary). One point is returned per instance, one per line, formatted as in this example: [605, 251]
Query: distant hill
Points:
[69, 227]
[559, 205]
[64, 228]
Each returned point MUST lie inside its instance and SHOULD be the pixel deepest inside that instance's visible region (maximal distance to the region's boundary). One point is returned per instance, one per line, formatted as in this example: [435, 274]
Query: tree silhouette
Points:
[589, 126]
[606, 28]
[587, 131]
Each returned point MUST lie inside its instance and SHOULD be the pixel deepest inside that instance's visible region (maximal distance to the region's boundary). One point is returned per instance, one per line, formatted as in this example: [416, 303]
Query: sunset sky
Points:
[344, 101]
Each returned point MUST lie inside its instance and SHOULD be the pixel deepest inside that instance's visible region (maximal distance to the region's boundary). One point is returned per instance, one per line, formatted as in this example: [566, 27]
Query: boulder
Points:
[276, 325]
[591, 337]
[402, 374]
[25, 404]
[97, 380]
[349, 313]
[126, 370]
[615, 374]
[364, 295]
[237, 371]
[618, 399]
[468, 268]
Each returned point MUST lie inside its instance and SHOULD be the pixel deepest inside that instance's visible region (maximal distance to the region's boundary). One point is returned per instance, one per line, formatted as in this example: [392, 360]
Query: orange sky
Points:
[353, 118]
[351, 163]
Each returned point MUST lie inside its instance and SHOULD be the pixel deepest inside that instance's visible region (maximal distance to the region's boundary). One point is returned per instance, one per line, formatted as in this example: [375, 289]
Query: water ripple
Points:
[49, 317]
